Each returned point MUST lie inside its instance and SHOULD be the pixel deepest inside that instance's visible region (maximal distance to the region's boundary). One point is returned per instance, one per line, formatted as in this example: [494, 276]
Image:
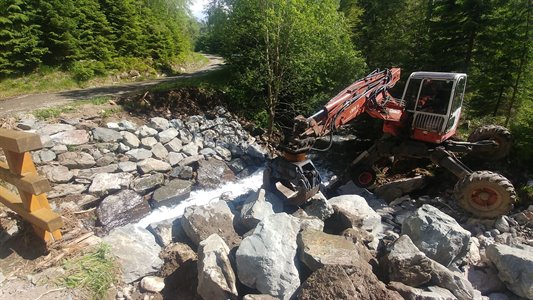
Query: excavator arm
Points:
[292, 173]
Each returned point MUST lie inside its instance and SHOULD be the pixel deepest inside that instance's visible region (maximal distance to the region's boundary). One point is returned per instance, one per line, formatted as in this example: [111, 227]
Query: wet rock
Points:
[319, 207]
[159, 151]
[172, 193]
[159, 123]
[354, 211]
[431, 293]
[395, 189]
[237, 165]
[436, 234]
[136, 251]
[167, 135]
[106, 135]
[175, 158]
[153, 165]
[199, 222]
[318, 249]
[71, 137]
[127, 166]
[76, 160]
[109, 182]
[129, 139]
[139, 154]
[257, 207]
[266, 259]
[57, 174]
[213, 172]
[147, 183]
[174, 145]
[515, 267]
[216, 279]
[60, 190]
[122, 208]
[163, 232]
[52, 129]
[148, 142]
[152, 284]
[145, 131]
[342, 282]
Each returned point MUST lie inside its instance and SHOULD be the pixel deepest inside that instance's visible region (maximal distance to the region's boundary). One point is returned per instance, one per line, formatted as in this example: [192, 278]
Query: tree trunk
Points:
[498, 103]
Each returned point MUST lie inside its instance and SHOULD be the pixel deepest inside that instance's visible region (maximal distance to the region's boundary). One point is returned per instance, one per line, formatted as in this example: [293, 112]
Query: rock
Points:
[104, 183]
[106, 135]
[223, 152]
[258, 297]
[460, 287]
[26, 124]
[159, 151]
[435, 293]
[163, 232]
[71, 137]
[90, 173]
[159, 123]
[174, 145]
[145, 131]
[266, 259]
[190, 160]
[52, 129]
[199, 222]
[256, 151]
[406, 264]
[148, 142]
[177, 255]
[212, 172]
[123, 125]
[153, 165]
[190, 149]
[256, 207]
[498, 296]
[395, 189]
[122, 208]
[136, 251]
[147, 183]
[185, 136]
[319, 207]
[502, 223]
[139, 154]
[515, 267]
[216, 279]
[106, 159]
[309, 222]
[152, 284]
[167, 135]
[172, 193]
[208, 152]
[346, 283]
[237, 165]
[76, 160]
[129, 139]
[436, 234]
[485, 279]
[318, 249]
[58, 149]
[175, 158]
[176, 123]
[355, 212]
[127, 166]
[57, 174]
[60, 190]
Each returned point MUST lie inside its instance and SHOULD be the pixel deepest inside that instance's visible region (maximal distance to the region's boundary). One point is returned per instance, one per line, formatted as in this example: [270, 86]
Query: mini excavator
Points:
[420, 125]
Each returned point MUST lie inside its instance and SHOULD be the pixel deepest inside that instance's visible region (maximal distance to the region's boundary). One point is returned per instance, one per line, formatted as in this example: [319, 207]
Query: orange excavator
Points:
[421, 125]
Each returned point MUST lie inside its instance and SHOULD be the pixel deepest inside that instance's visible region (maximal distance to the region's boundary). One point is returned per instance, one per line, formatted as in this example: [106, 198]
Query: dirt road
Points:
[25, 103]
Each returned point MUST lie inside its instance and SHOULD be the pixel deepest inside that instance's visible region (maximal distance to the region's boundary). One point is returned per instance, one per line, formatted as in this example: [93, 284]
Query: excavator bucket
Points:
[297, 182]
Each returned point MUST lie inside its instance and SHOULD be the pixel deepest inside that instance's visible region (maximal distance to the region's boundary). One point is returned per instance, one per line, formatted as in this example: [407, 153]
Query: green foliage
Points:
[87, 69]
[93, 272]
[54, 112]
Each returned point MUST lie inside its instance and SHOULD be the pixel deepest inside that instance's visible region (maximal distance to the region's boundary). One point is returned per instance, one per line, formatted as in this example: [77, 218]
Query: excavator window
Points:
[435, 96]
[411, 93]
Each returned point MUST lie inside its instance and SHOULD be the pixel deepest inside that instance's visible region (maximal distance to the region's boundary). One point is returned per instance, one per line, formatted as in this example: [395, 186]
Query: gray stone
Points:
[256, 208]
[199, 222]
[433, 292]
[148, 142]
[129, 139]
[127, 166]
[319, 207]
[123, 148]
[212, 172]
[106, 159]
[395, 189]
[167, 135]
[159, 123]
[127, 126]
[71, 137]
[109, 182]
[207, 152]
[190, 160]
[190, 149]
[57, 174]
[258, 297]
[237, 165]
[456, 283]
[484, 278]
[58, 149]
[106, 135]
[153, 284]
[51, 129]
[185, 136]
[176, 123]
[164, 232]
[136, 251]
[498, 296]
[257, 151]
[266, 259]
[122, 208]
[153, 165]
[436, 234]
[47, 156]
[60, 190]
[502, 223]
[147, 183]
[160, 151]
[175, 158]
[145, 131]
[174, 145]
[76, 160]
[356, 211]
[216, 279]
[139, 154]
[308, 222]
[224, 153]
[47, 141]
[26, 124]
[515, 267]
[90, 173]
[172, 193]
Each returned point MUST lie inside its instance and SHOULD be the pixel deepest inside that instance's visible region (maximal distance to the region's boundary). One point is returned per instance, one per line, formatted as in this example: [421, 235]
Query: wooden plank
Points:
[43, 218]
[19, 141]
[31, 183]
[20, 163]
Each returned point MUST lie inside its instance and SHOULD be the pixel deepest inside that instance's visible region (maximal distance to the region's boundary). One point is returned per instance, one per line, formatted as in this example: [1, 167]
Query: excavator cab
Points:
[434, 100]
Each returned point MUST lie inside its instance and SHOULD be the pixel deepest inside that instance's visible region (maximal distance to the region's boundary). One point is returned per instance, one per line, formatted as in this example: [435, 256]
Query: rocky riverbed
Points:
[180, 202]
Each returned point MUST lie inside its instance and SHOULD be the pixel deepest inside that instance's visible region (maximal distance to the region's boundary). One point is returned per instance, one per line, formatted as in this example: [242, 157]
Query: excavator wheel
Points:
[499, 134]
[485, 194]
[363, 176]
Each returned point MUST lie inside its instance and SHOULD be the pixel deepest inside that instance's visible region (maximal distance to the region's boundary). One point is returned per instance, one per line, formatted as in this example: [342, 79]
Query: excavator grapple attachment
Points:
[297, 181]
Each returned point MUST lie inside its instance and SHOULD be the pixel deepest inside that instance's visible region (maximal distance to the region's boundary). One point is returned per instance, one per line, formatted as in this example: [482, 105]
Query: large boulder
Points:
[147, 183]
[515, 267]
[136, 251]
[257, 206]
[213, 172]
[76, 160]
[345, 283]
[172, 193]
[436, 234]
[104, 183]
[319, 207]
[318, 249]
[199, 222]
[216, 279]
[122, 208]
[354, 211]
[429, 293]
[266, 259]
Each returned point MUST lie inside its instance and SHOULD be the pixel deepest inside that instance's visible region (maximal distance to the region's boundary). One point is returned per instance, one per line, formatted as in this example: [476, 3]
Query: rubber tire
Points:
[485, 179]
[499, 134]
[358, 170]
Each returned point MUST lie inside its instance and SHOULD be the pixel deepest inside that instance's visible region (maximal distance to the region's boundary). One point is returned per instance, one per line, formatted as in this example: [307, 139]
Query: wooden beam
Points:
[19, 141]
[31, 183]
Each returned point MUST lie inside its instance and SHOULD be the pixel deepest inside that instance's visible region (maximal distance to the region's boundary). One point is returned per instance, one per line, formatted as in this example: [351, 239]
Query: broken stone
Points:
[172, 193]
[122, 208]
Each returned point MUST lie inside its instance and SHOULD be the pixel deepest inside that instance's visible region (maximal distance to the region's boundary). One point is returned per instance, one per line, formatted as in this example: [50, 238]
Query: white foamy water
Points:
[203, 197]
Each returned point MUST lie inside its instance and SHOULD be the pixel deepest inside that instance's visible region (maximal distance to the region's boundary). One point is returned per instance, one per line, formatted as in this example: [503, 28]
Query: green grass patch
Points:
[216, 79]
[93, 272]
[54, 112]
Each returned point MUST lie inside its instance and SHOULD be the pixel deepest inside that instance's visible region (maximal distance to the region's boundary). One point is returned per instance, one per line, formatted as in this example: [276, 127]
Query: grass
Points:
[213, 79]
[93, 272]
[54, 112]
